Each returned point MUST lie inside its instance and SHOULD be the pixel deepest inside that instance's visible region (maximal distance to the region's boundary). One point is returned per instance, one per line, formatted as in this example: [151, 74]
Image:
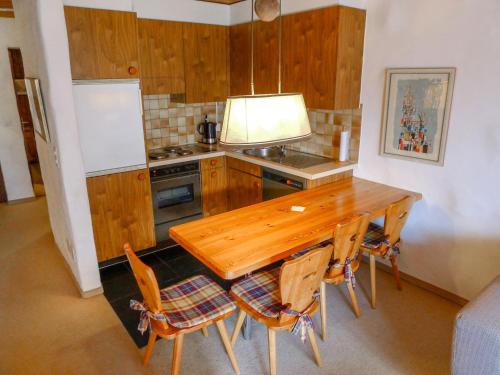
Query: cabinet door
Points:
[122, 211]
[102, 43]
[309, 55]
[81, 39]
[239, 52]
[206, 60]
[265, 58]
[243, 189]
[213, 186]
[349, 57]
[162, 56]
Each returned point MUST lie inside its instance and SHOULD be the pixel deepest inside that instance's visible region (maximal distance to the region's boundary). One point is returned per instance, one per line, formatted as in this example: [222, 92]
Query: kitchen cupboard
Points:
[161, 53]
[322, 56]
[244, 183]
[206, 62]
[213, 186]
[266, 58]
[102, 43]
[121, 211]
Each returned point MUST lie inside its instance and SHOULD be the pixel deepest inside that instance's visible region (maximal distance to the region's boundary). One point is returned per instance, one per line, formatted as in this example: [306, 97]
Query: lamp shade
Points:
[265, 120]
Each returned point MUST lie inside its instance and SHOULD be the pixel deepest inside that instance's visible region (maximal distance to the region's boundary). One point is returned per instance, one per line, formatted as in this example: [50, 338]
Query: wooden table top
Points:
[237, 242]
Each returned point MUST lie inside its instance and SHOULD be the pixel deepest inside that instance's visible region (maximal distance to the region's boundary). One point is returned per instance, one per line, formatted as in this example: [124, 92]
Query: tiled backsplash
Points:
[326, 127]
[172, 124]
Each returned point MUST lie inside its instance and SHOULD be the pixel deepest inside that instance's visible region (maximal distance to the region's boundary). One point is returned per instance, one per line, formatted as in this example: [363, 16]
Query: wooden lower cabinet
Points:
[213, 186]
[122, 211]
[244, 183]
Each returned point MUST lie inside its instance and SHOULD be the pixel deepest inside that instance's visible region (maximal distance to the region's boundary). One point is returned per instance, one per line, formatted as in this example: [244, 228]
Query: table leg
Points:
[247, 327]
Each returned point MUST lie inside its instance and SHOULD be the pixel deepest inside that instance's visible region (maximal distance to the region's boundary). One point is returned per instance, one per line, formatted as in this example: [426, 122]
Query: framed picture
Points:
[37, 108]
[416, 113]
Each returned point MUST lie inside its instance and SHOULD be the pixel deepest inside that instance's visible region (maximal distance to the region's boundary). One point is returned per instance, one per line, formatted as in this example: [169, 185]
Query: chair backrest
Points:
[395, 218]
[147, 282]
[348, 235]
[301, 278]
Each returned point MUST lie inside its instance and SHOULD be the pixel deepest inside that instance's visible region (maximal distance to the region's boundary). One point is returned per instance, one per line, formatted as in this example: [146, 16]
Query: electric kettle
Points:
[209, 131]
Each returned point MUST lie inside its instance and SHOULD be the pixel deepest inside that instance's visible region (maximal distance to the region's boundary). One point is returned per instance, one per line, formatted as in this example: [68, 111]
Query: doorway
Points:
[23, 107]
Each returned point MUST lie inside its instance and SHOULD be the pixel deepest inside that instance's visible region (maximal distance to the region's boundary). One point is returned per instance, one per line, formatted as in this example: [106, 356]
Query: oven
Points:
[176, 191]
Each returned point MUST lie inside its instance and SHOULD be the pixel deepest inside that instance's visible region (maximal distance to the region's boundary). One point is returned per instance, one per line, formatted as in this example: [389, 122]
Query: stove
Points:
[172, 152]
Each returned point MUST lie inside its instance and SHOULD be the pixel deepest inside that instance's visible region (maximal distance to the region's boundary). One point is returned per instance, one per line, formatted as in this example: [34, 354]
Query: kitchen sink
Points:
[269, 152]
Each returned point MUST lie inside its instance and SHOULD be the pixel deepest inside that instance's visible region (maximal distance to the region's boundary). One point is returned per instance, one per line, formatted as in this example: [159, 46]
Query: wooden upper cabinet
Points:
[266, 58]
[122, 211]
[102, 43]
[349, 57]
[323, 56]
[206, 62]
[161, 49]
[239, 57]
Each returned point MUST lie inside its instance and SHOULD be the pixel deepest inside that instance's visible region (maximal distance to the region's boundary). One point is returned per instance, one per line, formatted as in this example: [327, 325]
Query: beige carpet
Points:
[45, 328]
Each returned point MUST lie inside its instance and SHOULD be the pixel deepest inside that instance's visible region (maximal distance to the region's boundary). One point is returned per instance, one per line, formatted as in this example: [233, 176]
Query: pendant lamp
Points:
[256, 121]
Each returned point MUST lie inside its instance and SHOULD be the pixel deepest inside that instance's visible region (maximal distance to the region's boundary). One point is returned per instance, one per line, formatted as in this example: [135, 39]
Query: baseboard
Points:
[84, 294]
[422, 284]
[22, 200]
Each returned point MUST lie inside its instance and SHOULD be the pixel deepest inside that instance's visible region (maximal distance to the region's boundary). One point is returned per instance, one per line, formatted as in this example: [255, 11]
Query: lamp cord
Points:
[252, 86]
[279, 51]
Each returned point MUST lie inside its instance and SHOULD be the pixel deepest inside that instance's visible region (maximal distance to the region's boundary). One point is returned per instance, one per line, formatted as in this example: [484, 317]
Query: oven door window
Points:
[175, 195]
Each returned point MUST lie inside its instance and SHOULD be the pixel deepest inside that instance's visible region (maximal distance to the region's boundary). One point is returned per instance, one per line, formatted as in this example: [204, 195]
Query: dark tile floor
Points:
[170, 266]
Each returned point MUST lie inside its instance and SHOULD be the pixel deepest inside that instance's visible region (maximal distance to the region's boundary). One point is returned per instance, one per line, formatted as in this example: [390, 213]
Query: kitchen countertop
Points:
[311, 173]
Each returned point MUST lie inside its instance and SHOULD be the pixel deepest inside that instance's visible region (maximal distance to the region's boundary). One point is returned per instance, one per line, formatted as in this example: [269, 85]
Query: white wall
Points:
[173, 10]
[46, 57]
[12, 153]
[452, 239]
[240, 12]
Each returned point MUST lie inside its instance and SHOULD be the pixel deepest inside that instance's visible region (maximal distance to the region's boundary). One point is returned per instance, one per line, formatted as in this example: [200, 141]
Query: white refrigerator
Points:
[109, 116]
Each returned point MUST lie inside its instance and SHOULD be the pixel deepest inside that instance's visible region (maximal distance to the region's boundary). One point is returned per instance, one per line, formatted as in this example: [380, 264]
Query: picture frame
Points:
[416, 113]
[37, 108]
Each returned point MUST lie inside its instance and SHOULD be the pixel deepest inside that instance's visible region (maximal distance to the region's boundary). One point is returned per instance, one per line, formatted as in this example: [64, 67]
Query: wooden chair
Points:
[282, 298]
[180, 306]
[384, 241]
[347, 238]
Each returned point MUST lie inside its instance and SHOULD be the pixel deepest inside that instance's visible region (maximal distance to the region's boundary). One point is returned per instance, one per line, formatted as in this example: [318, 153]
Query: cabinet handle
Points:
[141, 176]
[214, 174]
[132, 70]
[213, 162]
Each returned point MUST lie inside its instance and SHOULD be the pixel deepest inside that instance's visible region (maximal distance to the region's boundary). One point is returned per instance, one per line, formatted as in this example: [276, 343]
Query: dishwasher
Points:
[276, 184]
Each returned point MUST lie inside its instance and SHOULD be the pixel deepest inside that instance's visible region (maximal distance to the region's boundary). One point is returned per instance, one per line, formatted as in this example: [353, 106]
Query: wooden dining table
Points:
[242, 241]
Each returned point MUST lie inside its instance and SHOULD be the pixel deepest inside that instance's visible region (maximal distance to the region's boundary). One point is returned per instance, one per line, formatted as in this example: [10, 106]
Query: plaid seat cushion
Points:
[298, 254]
[374, 236]
[261, 292]
[195, 301]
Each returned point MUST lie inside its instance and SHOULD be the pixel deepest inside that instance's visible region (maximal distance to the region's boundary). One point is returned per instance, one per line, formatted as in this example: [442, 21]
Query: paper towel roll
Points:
[344, 146]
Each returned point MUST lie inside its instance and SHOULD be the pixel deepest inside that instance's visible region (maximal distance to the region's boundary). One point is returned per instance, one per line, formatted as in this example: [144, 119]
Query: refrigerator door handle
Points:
[140, 101]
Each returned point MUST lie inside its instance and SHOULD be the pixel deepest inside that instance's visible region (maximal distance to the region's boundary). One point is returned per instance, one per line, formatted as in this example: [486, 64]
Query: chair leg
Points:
[271, 335]
[204, 330]
[314, 346]
[354, 299]
[177, 355]
[322, 306]
[149, 348]
[373, 280]
[225, 340]
[237, 327]
[395, 271]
